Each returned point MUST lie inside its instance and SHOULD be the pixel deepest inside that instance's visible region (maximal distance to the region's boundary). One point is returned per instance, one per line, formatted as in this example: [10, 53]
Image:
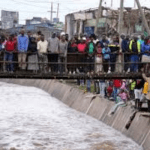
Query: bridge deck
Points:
[27, 75]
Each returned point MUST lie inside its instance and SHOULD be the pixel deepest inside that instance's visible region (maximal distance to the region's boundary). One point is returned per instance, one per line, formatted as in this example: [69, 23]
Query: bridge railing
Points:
[74, 64]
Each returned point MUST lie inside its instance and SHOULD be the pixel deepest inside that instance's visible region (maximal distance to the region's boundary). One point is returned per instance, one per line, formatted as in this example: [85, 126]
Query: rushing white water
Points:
[30, 119]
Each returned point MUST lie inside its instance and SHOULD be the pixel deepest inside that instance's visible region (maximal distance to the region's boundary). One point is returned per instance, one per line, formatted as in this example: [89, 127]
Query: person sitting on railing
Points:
[23, 42]
[62, 49]
[91, 55]
[135, 49]
[98, 58]
[125, 50]
[42, 47]
[106, 58]
[32, 55]
[8, 56]
[82, 46]
[114, 47]
[53, 43]
[72, 57]
[146, 54]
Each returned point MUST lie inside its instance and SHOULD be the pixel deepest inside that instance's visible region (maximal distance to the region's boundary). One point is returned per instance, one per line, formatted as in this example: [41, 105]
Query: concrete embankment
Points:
[98, 108]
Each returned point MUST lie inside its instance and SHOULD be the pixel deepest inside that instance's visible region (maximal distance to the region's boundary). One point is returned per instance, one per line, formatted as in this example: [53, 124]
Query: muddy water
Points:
[31, 119]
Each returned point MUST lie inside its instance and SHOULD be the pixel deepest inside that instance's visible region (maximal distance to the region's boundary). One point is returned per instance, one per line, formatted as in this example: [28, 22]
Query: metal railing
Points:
[74, 64]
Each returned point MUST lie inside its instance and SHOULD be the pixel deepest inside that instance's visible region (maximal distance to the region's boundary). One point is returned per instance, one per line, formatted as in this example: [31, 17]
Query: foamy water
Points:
[30, 119]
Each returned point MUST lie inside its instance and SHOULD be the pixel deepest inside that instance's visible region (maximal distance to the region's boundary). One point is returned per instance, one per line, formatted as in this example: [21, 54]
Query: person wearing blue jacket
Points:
[145, 50]
[23, 42]
[104, 41]
[106, 57]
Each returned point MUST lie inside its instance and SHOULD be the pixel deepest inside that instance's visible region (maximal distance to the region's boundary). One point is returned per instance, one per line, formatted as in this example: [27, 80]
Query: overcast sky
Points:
[39, 8]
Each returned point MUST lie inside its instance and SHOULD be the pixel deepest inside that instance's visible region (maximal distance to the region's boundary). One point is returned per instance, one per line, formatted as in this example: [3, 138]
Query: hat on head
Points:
[84, 38]
[63, 33]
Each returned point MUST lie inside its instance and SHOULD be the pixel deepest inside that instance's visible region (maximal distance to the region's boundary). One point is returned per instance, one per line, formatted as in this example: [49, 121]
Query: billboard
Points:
[9, 19]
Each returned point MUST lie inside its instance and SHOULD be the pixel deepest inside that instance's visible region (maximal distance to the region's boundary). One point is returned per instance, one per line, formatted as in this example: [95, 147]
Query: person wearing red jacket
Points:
[117, 85]
[9, 49]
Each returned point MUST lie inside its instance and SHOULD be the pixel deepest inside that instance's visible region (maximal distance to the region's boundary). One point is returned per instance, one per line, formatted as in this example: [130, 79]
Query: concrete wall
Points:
[98, 108]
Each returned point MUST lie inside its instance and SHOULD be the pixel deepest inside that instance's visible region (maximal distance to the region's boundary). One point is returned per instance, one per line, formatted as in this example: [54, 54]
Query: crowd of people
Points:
[122, 92]
[81, 54]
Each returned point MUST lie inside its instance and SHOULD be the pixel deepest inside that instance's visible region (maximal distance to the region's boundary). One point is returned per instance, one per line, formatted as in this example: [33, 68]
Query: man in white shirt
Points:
[42, 46]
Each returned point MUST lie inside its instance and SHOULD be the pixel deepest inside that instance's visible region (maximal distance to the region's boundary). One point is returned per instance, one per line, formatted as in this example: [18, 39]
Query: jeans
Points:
[106, 64]
[113, 58]
[126, 60]
[89, 85]
[90, 67]
[113, 110]
[115, 93]
[9, 57]
[102, 88]
[134, 59]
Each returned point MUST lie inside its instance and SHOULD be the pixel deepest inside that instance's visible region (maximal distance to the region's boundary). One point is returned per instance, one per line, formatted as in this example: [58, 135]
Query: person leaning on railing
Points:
[8, 56]
[125, 49]
[72, 56]
[135, 49]
[114, 47]
[91, 55]
[62, 49]
[32, 56]
[82, 46]
[53, 43]
[23, 42]
[42, 46]
[146, 54]
[98, 58]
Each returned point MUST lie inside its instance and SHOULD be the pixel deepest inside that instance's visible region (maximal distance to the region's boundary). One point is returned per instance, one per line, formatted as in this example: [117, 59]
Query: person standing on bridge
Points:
[125, 50]
[135, 49]
[10, 48]
[23, 42]
[42, 47]
[62, 48]
[146, 55]
[53, 43]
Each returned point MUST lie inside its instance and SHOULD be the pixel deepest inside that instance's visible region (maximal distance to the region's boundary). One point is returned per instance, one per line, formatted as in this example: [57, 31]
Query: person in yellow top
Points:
[135, 49]
[145, 93]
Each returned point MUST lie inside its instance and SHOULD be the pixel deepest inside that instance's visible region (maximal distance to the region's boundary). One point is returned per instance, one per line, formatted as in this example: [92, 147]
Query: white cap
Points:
[63, 33]
[84, 38]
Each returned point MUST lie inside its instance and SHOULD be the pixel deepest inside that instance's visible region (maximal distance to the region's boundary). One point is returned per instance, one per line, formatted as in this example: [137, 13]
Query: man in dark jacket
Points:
[125, 50]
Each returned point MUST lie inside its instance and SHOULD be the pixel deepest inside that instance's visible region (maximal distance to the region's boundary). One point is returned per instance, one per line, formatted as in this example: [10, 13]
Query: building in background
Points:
[9, 19]
[55, 20]
[85, 21]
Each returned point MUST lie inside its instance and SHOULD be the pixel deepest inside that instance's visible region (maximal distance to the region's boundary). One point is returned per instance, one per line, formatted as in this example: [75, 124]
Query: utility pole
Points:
[51, 12]
[134, 4]
[58, 10]
[99, 15]
[120, 25]
[111, 3]
[143, 17]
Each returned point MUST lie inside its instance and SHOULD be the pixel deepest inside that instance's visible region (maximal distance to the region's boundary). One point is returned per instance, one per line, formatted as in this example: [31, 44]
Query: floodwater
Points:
[30, 119]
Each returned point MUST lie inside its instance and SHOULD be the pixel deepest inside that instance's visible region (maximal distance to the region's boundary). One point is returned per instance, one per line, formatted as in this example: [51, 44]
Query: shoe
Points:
[128, 70]
[77, 70]
[74, 73]
[88, 73]
[70, 72]
[109, 72]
